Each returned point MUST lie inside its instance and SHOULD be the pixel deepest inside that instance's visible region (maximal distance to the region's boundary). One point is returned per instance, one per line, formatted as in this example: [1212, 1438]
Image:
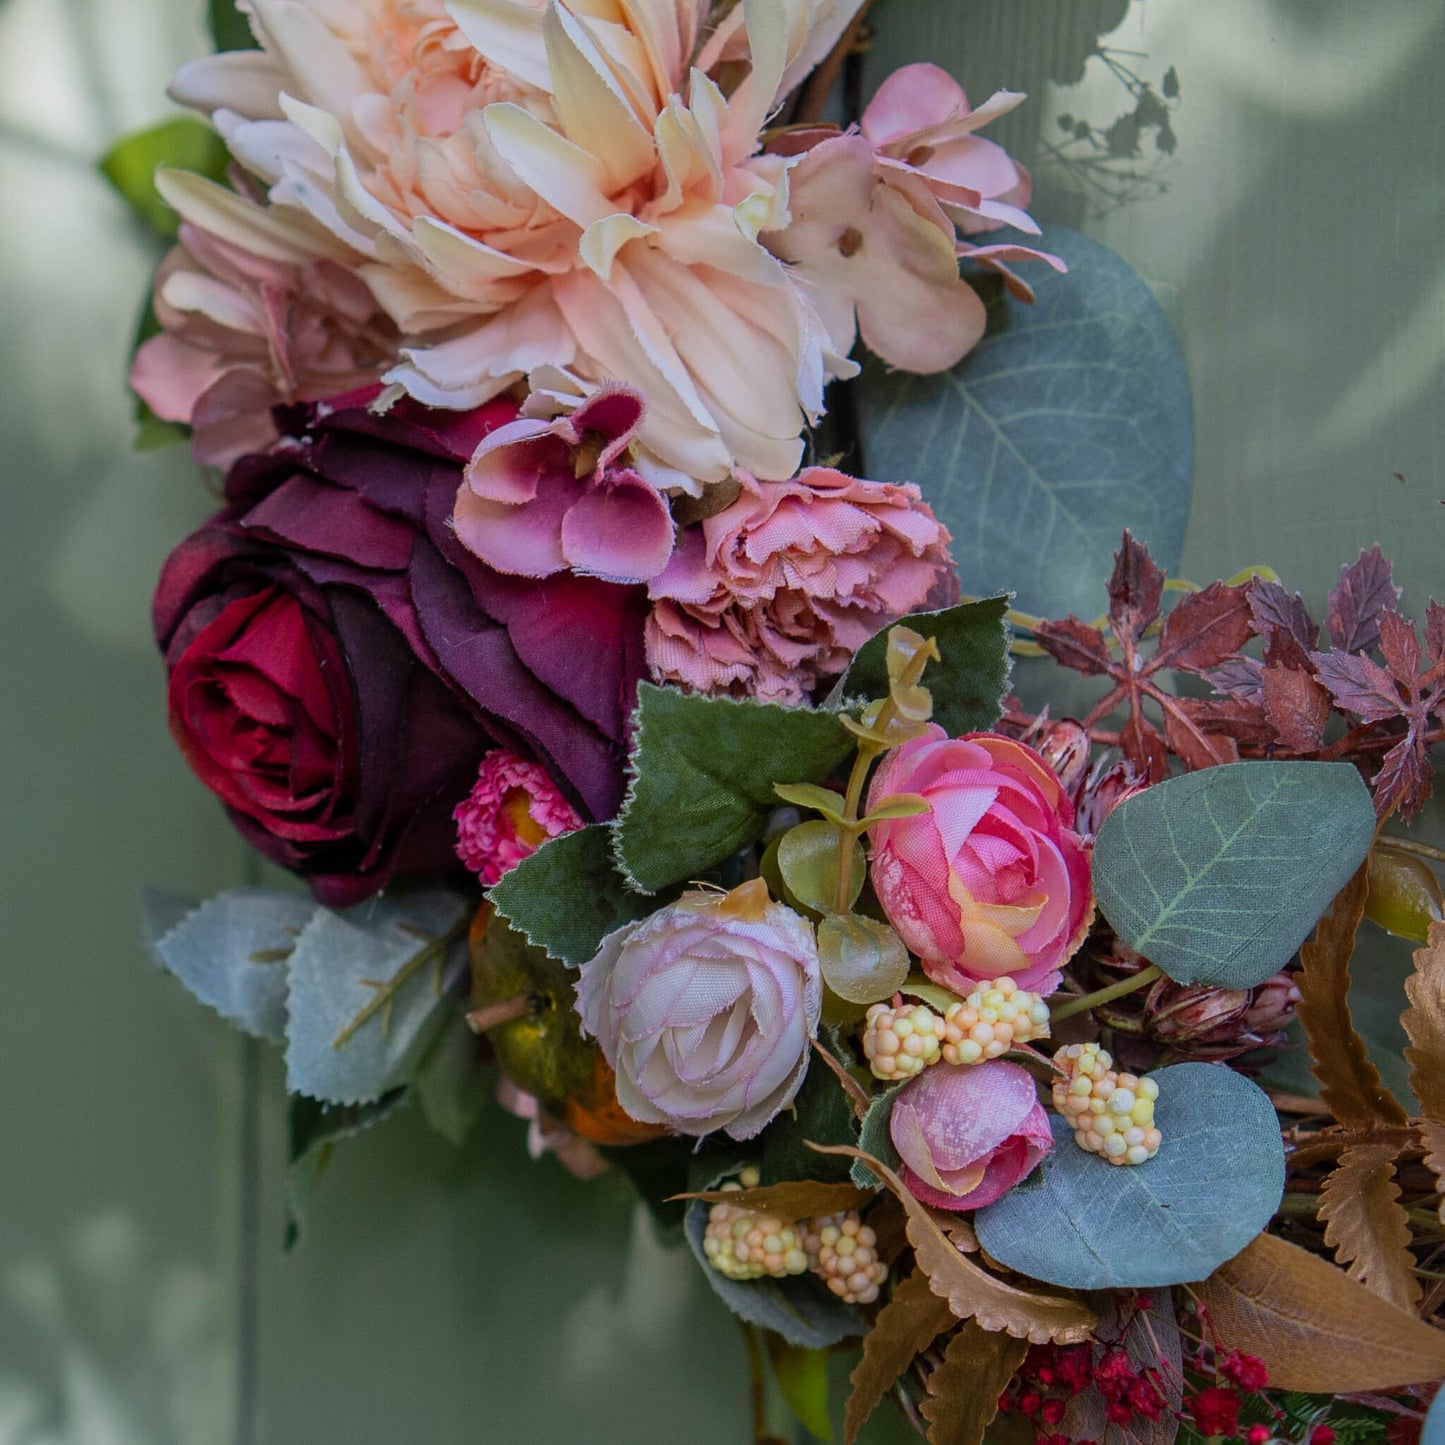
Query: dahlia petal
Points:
[304, 44]
[169, 376]
[912, 98]
[603, 239]
[262, 231]
[247, 81]
[464, 264]
[508, 34]
[566, 176]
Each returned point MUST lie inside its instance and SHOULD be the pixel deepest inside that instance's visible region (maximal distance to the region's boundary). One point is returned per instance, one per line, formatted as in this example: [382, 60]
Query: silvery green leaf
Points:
[341, 1046]
[1214, 1184]
[1218, 876]
[874, 1138]
[231, 951]
[800, 1308]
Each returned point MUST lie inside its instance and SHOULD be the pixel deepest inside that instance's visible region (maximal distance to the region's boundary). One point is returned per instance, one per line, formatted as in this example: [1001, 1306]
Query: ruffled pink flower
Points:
[513, 808]
[993, 879]
[543, 496]
[967, 1133]
[546, 1136]
[781, 588]
[877, 214]
[242, 332]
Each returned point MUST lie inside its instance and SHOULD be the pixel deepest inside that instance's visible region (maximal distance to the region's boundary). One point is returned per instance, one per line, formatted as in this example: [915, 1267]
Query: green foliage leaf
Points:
[808, 862]
[862, 960]
[704, 770]
[568, 896]
[315, 1131]
[1218, 876]
[452, 1083]
[229, 28]
[1070, 421]
[800, 1308]
[968, 685]
[231, 952]
[802, 1376]
[874, 1139]
[185, 143]
[897, 805]
[1214, 1184]
[810, 795]
[821, 1114]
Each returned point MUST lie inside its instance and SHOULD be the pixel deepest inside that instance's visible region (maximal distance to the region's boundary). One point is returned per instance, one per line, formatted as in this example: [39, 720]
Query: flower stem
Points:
[1409, 845]
[1142, 979]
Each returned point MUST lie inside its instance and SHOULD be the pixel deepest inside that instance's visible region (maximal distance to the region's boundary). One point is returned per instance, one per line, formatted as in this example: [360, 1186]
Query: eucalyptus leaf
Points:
[1214, 1184]
[967, 686]
[799, 1308]
[1218, 876]
[703, 775]
[315, 1130]
[231, 953]
[1069, 421]
[363, 1002]
[862, 960]
[808, 862]
[874, 1138]
[568, 896]
[185, 143]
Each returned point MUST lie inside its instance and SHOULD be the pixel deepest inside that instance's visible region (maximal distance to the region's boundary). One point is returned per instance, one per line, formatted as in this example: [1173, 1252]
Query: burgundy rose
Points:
[339, 664]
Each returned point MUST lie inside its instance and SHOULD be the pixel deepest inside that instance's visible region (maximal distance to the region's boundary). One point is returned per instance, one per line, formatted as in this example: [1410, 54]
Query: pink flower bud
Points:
[993, 880]
[513, 808]
[1064, 746]
[705, 1010]
[1183, 1012]
[968, 1133]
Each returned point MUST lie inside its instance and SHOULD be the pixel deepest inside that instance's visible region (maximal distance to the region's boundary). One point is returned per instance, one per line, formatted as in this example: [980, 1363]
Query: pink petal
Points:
[913, 98]
[523, 541]
[621, 531]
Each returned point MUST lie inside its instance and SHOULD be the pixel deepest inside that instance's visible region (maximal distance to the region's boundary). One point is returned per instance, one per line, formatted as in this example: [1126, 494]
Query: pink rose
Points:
[993, 880]
[781, 588]
[967, 1133]
[706, 1009]
[514, 807]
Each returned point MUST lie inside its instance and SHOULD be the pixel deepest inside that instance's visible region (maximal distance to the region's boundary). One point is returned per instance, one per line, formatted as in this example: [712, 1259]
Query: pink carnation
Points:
[242, 332]
[513, 808]
[781, 588]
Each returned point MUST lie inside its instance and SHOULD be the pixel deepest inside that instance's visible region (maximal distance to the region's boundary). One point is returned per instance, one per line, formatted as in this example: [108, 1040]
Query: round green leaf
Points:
[808, 862]
[1219, 876]
[1214, 1184]
[863, 960]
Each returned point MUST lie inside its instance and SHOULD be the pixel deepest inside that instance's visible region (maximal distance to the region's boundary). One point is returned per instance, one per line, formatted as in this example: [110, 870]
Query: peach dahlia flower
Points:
[525, 184]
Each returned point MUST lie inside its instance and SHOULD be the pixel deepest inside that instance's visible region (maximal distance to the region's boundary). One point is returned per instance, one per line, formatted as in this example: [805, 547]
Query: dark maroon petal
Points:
[333, 522]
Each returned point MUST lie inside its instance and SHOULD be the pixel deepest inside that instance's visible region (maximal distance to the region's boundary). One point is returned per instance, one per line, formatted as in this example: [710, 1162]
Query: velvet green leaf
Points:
[1218, 876]
[968, 685]
[229, 28]
[568, 896]
[315, 1130]
[703, 775]
[1214, 1184]
[185, 143]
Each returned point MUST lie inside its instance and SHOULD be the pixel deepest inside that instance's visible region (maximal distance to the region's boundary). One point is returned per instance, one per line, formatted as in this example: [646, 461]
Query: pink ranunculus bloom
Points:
[514, 807]
[993, 879]
[967, 1133]
[242, 332]
[779, 589]
[706, 1009]
[540, 497]
[877, 215]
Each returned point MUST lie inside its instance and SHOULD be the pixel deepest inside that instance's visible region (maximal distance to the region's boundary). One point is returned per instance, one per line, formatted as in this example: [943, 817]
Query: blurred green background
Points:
[1289, 211]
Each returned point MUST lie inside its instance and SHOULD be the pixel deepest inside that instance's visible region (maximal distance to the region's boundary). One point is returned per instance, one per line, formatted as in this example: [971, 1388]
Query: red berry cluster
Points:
[1051, 1375]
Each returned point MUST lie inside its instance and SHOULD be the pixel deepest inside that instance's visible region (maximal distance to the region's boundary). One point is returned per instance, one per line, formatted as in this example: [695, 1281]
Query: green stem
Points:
[1142, 979]
[386, 993]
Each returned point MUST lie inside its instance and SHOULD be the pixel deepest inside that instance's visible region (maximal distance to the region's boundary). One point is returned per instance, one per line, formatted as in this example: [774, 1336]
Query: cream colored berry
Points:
[1112, 1114]
[843, 1252]
[743, 1244]
[992, 1020]
[901, 1040]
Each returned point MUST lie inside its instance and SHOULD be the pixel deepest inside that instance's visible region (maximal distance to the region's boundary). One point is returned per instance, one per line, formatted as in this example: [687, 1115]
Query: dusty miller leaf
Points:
[1349, 1083]
[1314, 1327]
[963, 1391]
[1366, 1226]
[1218, 876]
[1214, 1184]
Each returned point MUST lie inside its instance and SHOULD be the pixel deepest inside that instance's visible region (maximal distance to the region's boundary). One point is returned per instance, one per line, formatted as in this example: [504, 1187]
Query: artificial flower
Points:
[992, 880]
[512, 809]
[780, 588]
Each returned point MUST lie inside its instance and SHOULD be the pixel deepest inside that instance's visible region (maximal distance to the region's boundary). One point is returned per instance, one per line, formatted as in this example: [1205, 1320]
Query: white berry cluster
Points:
[844, 1252]
[1112, 1114]
[991, 1020]
[901, 1040]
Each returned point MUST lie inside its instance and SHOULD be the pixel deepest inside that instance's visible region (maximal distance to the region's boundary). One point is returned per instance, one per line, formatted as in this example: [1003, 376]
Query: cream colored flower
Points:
[561, 184]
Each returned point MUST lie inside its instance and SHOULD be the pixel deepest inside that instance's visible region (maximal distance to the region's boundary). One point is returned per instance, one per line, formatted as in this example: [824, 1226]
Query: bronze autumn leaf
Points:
[1349, 1083]
[963, 1391]
[1366, 1226]
[905, 1327]
[972, 1292]
[1314, 1327]
[1424, 1022]
[792, 1200]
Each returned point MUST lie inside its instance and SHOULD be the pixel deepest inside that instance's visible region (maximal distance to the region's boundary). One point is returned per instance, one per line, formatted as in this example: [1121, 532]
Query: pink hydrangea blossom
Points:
[542, 496]
[967, 1133]
[513, 808]
[876, 217]
[993, 879]
[242, 332]
[781, 588]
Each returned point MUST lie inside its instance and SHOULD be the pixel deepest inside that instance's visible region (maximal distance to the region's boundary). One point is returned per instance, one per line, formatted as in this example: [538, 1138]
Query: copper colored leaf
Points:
[794, 1200]
[963, 1391]
[1366, 1226]
[1276, 611]
[1198, 749]
[1297, 707]
[1403, 780]
[1239, 677]
[1349, 1083]
[1145, 748]
[1136, 590]
[1358, 685]
[1365, 591]
[1432, 1140]
[1314, 1327]
[1076, 645]
[1204, 629]
[971, 1291]
[1434, 631]
[1424, 1022]
[1401, 645]
[905, 1327]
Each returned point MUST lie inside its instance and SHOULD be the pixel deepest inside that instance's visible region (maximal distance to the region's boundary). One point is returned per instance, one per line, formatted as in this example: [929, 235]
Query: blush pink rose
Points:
[967, 1133]
[993, 879]
[779, 590]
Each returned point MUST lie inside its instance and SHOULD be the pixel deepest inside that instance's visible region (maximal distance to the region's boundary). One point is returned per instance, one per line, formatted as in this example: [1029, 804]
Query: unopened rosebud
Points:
[1107, 786]
[1273, 1005]
[1064, 746]
[1180, 1012]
